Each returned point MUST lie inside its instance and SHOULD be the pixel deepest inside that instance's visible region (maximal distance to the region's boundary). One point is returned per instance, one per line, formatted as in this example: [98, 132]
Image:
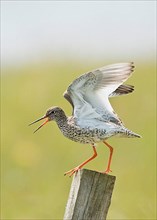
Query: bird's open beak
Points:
[40, 120]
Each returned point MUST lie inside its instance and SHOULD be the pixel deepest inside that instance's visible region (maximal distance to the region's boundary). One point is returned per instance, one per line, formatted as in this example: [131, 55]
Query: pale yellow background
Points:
[45, 45]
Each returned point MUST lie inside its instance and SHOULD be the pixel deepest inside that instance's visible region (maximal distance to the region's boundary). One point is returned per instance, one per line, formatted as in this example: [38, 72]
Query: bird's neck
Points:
[61, 119]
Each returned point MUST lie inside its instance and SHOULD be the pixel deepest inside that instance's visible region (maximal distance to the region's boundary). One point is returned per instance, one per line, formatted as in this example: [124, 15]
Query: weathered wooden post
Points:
[90, 196]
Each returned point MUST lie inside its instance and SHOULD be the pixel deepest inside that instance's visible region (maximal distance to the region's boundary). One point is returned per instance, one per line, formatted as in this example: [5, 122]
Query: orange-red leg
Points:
[74, 170]
[110, 157]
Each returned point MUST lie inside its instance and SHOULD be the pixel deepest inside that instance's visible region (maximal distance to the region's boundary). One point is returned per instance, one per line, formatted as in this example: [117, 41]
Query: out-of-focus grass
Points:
[33, 185]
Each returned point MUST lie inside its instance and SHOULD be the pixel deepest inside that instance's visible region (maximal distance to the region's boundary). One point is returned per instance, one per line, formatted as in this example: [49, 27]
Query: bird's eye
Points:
[50, 112]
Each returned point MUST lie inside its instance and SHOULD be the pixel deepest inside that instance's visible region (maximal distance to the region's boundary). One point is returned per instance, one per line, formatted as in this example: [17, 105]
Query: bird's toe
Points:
[72, 171]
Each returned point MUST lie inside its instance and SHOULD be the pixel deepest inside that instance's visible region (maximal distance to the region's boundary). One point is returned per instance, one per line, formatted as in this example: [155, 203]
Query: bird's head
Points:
[51, 114]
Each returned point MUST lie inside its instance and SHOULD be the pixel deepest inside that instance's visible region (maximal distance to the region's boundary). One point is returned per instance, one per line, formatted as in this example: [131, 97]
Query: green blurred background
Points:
[32, 165]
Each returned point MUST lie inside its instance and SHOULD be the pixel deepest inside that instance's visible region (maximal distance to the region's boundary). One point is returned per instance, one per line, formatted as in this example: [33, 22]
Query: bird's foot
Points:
[72, 171]
[107, 171]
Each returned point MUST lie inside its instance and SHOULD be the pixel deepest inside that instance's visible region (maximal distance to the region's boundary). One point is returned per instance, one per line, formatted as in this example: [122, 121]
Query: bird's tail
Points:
[131, 134]
[125, 132]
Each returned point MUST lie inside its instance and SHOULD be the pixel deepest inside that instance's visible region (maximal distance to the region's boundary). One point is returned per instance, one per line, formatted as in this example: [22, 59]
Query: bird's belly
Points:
[85, 135]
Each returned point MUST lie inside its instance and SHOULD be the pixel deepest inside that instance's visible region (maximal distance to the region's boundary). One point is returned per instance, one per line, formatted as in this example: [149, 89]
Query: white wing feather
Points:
[89, 93]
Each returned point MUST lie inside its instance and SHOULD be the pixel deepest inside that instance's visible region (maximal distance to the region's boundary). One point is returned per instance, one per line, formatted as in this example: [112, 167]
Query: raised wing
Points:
[89, 93]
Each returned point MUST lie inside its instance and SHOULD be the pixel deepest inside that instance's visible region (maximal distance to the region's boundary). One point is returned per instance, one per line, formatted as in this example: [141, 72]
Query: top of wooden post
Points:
[90, 196]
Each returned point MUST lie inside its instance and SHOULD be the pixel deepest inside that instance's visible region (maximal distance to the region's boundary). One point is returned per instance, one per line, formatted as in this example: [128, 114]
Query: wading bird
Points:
[93, 119]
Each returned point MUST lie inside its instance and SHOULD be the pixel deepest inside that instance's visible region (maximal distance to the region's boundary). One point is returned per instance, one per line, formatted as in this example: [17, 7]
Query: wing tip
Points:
[123, 89]
[126, 66]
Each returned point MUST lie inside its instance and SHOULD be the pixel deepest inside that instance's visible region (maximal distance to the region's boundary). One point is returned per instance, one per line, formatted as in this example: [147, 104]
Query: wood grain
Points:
[90, 196]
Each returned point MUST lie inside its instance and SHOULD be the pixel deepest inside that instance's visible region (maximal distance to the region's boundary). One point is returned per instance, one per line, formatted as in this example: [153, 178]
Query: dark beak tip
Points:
[37, 120]
[41, 124]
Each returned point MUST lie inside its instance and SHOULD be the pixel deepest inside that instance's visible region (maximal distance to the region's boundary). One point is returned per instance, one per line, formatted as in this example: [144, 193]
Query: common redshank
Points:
[93, 119]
